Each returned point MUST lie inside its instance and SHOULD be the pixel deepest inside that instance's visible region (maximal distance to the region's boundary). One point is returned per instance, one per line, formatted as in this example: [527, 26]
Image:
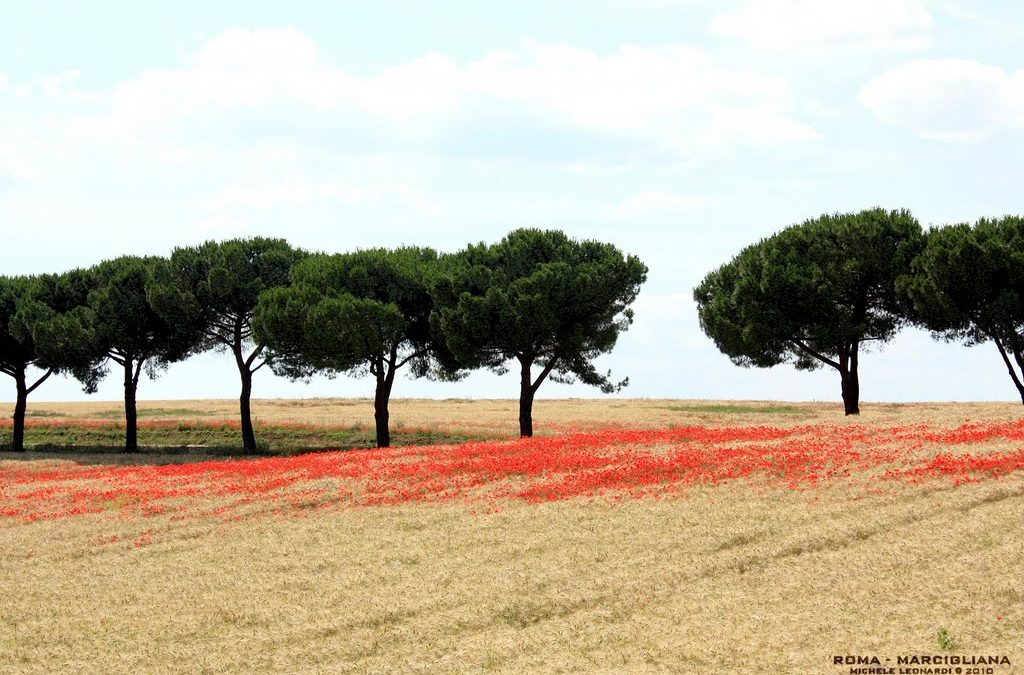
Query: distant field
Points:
[294, 425]
[629, 536]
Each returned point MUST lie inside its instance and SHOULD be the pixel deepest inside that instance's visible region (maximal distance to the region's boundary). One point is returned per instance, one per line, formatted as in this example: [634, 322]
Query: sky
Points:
[679, 130]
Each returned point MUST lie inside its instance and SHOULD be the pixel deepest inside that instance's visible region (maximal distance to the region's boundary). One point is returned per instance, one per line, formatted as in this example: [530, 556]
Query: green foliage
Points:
[813, 292]
[968, 282]
[734, 408]
[16, 346]
[127, 327]
[44, 322]
[968, 285]
[43, 325]
[164, 413]
[539, 297]
[945, 640]
[213, 288]
[213, 437]
[216, 286]
[350, 312]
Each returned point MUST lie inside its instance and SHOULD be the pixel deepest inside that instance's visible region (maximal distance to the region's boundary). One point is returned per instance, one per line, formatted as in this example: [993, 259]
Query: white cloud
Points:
[302, 192]
[658, 4]
[61, 87]
[636, 90]
[674, 98]
[239, 69]
[18, 151]
[658, 205]
[948, 99]
[758, 126]
[667, 321]
[818, 25]
[967, 13]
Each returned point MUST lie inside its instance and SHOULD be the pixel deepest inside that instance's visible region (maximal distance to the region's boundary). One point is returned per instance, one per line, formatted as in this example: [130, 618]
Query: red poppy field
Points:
[611, 463]
[621, 540]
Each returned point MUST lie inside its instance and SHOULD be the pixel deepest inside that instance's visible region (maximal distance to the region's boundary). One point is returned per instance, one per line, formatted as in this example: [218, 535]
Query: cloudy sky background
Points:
[679, 130]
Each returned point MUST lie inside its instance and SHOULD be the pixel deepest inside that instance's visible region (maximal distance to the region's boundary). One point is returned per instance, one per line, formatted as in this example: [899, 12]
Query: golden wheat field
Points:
[628, 536]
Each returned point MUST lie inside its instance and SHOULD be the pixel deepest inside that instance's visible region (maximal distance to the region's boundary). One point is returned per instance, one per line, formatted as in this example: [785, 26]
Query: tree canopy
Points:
[216, 286]
[366, 311]
[813, 294]
[540, 298]
[127, 329]
[968, 285]
[43, 325]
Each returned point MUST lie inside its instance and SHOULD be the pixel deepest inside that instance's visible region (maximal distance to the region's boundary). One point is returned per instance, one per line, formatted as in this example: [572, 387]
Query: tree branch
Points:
[255, 355]
[389, 376]
[227, 317]
[1017, 357]
[220, 335]
[40, 381]
[821, 357]
[1009, 366]
[409, 358]
[138, 371]
[544, 373]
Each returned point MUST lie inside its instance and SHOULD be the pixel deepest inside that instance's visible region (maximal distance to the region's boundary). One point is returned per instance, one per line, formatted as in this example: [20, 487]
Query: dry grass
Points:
[550, 416]
[737, 578]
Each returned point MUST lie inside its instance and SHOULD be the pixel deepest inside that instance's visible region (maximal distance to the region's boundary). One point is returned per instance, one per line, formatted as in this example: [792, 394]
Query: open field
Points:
[294, 424]
[632, 536]
[501, 414]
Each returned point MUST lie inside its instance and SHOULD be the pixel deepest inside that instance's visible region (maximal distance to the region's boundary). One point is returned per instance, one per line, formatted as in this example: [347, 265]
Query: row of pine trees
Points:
[817, 294]
[537, 301]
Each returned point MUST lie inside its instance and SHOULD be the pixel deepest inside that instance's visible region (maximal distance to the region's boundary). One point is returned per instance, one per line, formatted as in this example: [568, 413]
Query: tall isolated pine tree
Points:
[813, 294]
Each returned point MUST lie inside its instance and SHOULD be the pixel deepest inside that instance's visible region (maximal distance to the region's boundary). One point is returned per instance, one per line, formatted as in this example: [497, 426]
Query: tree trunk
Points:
[131, 416]
[526, 392]
[850, 381]
[20, 406]
[1009, 366]
[245, 410]
[851, 393]
[381, 398]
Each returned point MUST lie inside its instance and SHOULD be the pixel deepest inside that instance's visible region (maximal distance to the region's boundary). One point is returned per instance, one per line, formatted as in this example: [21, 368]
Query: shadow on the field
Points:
[165, 447]
[152, 456]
